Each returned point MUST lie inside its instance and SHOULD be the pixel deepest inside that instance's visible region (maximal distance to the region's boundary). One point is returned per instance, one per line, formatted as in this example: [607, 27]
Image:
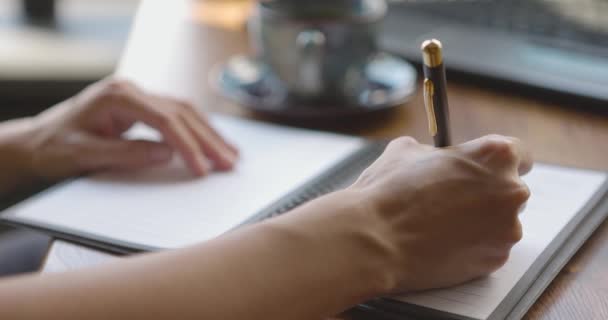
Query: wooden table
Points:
[175, 45]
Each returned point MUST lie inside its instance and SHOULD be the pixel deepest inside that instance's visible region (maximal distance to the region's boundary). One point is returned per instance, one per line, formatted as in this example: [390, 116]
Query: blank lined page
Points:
[166, 207]
[558, 194]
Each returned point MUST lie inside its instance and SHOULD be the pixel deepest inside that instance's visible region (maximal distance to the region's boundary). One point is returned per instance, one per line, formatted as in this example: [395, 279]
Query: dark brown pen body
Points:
[440, 104]
[436, 91]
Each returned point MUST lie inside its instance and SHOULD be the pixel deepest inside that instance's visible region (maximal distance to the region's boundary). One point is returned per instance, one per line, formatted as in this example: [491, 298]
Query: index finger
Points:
[500, 152]
[136, 106]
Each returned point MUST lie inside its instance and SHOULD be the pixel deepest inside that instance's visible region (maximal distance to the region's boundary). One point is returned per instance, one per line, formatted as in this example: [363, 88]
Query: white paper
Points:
[166, 208]
[557, 196]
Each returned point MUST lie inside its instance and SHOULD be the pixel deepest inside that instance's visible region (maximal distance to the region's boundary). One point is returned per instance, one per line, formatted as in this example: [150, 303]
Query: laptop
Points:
[557, 45]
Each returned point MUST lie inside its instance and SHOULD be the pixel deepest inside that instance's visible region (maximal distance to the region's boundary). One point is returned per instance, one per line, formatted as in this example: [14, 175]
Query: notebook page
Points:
[557, 196]
[166, 208]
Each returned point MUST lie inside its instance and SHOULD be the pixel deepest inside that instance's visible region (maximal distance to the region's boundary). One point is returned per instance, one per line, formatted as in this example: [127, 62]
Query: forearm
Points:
[16, 154]
[295, 267]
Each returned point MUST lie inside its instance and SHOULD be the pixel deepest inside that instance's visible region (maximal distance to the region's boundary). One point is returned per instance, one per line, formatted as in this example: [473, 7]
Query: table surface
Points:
[176, 44]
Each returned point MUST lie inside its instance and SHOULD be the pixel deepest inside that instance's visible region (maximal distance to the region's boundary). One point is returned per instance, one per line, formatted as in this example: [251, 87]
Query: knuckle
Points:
[517, 233]
[522, 193]
[517, 192]
[498, 261]
[514, 234]
[115, 91]
[501, 146]
[403, 142]
[119, 84]
[185, 104]
[512, 201]
[162, 120]
[203, 117]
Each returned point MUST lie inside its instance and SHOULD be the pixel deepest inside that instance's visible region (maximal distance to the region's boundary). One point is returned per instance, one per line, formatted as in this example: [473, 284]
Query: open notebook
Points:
[165, 207]
[283, 167]
[565, 207]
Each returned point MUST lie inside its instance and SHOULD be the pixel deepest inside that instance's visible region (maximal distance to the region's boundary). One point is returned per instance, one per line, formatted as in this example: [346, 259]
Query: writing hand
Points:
[446, 215]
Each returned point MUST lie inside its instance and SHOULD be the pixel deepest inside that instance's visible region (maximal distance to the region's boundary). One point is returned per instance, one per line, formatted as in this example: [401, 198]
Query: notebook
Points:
[165, 207]
[282, 167]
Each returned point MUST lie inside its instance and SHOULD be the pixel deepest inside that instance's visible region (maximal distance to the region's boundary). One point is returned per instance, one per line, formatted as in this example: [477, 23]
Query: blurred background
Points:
[51, 49]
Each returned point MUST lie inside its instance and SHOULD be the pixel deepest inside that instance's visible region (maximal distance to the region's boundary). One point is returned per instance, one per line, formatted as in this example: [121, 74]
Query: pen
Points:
[435, 94]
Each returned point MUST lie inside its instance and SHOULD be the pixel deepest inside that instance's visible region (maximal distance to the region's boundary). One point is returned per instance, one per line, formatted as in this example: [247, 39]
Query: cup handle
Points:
[310, 46]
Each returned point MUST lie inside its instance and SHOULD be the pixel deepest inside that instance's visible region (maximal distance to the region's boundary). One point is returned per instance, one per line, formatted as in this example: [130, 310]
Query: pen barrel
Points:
[440, 104]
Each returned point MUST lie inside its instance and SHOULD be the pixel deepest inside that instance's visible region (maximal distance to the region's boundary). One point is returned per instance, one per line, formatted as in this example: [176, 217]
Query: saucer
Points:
[385, 82]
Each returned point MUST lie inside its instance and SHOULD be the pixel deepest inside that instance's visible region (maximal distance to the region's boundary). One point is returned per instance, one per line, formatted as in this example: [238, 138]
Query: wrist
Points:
[384, 224]
[377, 250]
[345, 226]
[17, 144]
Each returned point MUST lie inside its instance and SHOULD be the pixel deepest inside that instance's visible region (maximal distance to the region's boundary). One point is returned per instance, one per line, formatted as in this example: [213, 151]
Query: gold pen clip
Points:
[429, 92]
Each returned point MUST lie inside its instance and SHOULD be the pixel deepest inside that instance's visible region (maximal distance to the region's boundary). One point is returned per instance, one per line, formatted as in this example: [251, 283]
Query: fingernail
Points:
[236, 153]
[205, 165]
[233, 148]
[160, 153]
[231, 157]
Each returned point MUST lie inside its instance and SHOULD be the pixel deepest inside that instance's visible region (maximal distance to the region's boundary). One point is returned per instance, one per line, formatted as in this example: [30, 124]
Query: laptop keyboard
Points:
[579, 25]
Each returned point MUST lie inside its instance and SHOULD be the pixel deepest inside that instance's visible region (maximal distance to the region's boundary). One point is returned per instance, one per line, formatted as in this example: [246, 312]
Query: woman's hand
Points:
[84, 134]
[445, 216]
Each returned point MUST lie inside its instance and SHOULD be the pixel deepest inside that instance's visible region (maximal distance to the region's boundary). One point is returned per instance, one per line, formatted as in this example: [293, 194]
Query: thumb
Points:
[98, 154]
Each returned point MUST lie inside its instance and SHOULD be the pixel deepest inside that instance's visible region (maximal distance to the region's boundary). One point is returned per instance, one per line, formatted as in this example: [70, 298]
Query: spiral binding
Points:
[334, 179]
